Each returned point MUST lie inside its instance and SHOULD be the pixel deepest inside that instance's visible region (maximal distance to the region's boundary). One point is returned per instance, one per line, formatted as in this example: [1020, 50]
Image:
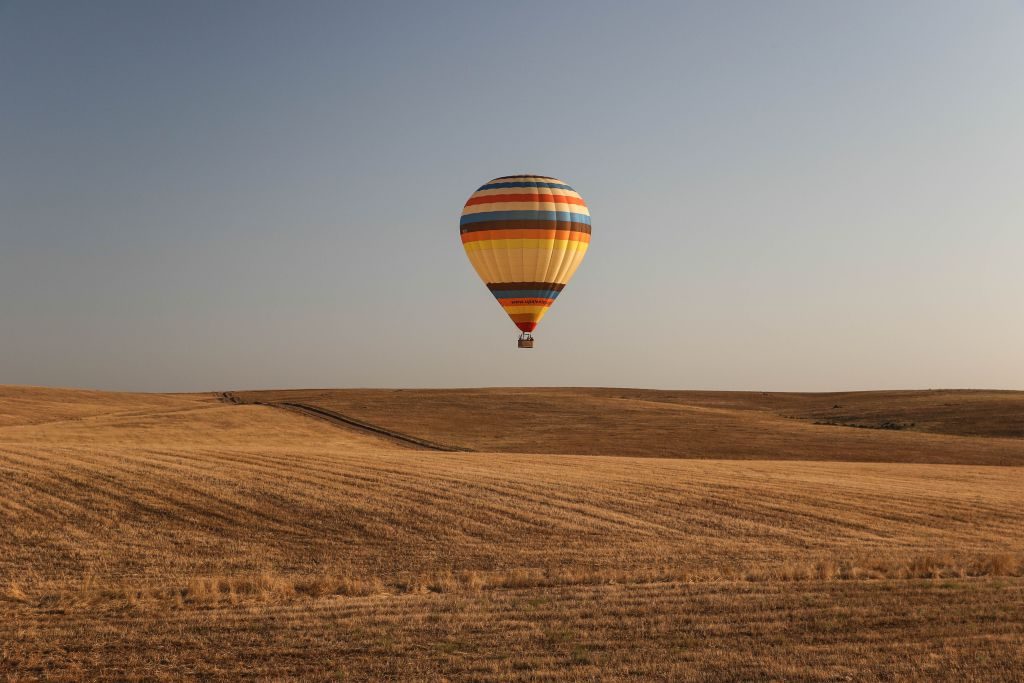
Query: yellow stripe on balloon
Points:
[527, 190]
[536, 205]
[521, 310]
[527, 265]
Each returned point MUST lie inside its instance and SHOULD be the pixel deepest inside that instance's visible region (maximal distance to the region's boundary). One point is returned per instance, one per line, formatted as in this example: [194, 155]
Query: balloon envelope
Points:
[525, 236]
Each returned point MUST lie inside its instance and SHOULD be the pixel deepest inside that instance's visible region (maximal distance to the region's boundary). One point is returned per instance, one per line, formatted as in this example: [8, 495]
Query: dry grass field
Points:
[169, 537]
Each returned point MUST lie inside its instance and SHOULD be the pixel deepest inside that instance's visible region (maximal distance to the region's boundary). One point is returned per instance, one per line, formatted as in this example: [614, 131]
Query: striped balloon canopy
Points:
[525, 235]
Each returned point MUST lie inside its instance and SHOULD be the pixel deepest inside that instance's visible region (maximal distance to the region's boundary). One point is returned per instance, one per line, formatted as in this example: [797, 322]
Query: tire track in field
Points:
[346, 422]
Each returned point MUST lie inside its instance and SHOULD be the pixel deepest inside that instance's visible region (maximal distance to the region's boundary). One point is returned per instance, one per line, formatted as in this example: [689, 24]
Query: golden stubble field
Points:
[168, 537]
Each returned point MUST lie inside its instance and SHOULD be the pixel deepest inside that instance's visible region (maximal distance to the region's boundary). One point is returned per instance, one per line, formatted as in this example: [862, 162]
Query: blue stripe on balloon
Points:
[496, 186]
[525, 216]
[526, 294]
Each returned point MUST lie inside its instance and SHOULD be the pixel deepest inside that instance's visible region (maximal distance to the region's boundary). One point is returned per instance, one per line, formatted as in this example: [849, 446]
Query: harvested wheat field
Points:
[658, 536]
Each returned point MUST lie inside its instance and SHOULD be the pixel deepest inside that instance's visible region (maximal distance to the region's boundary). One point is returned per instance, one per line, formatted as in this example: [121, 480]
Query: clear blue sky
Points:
[785, 195]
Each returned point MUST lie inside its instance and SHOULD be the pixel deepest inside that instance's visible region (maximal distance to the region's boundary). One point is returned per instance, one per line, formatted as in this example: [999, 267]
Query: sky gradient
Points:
[785, 196]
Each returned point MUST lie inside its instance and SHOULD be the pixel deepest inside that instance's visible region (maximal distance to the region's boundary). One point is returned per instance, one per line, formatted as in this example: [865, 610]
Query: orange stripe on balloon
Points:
[483, 235]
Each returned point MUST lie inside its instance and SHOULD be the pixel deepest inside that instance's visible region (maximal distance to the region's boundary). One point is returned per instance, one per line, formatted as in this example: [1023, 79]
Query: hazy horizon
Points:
[789, 197]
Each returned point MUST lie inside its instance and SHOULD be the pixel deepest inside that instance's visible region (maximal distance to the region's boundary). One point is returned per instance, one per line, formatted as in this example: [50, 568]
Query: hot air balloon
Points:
[525, 235]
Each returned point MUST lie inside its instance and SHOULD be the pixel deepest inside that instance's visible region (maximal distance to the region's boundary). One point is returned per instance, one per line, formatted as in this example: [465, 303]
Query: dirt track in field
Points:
[347, 422]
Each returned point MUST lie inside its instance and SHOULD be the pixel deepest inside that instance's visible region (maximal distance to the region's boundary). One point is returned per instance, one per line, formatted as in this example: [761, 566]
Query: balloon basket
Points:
[526, 340]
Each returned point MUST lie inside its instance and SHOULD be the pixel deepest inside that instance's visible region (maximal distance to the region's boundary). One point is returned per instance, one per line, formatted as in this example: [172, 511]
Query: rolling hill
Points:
[957, 427]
